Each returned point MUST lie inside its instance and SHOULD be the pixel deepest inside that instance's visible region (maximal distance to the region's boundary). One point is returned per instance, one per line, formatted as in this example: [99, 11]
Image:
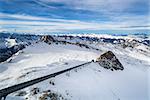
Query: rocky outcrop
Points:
[109, 61]
[8, 52]
[48, 39]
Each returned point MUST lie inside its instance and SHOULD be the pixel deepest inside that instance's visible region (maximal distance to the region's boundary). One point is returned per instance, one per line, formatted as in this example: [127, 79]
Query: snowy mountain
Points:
[43, 56]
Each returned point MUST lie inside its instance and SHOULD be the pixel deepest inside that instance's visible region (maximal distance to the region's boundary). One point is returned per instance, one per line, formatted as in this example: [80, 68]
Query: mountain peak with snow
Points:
[87, 82]
[108, 60]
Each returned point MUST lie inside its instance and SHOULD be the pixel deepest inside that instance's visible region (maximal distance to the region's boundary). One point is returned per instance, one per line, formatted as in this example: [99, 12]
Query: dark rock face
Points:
[8, 52]
[48, 39]
[109, 61]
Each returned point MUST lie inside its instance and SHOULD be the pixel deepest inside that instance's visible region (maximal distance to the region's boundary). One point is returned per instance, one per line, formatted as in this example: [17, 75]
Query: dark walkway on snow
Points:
[4, 92]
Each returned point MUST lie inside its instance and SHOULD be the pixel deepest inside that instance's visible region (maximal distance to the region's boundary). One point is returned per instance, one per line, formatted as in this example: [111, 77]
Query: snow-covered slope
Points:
[41, 56]
[91, 82]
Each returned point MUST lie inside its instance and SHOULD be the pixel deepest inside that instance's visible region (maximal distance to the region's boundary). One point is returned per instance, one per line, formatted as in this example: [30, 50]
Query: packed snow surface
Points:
[90, 82]
[11, 42]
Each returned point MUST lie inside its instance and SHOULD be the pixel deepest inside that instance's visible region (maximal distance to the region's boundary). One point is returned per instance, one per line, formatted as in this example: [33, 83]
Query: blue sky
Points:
[75, 16]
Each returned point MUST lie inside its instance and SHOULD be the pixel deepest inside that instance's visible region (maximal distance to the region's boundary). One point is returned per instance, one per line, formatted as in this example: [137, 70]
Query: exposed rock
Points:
[8, 52]
[35, 91]
[51, 95]
[109, 61]
[48, 39]
[52, 82]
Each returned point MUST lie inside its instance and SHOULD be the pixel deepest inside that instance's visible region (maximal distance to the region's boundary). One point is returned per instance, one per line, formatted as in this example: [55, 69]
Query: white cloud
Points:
[104, 6]
[33, 18]
[39, 24]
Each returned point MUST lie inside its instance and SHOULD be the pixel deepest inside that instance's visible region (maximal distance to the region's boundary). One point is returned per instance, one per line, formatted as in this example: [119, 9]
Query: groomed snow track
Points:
[6, 91]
